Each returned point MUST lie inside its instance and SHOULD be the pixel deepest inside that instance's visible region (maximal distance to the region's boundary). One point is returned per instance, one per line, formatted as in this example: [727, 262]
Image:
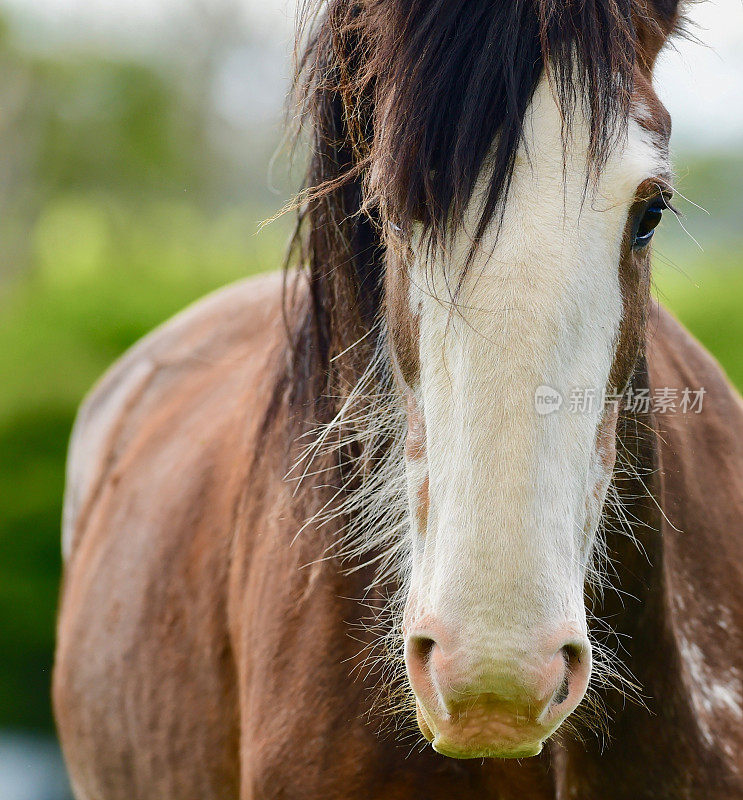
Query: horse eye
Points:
[648, 222]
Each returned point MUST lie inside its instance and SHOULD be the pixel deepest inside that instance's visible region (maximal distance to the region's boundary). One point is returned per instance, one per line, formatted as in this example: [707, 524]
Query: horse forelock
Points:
[408, 101]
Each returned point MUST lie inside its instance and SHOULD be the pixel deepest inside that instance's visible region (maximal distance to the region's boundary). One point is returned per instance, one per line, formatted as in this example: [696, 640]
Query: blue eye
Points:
[648, 222]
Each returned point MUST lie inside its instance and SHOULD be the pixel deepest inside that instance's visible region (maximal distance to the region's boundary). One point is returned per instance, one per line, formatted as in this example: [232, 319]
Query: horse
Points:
[453, 478]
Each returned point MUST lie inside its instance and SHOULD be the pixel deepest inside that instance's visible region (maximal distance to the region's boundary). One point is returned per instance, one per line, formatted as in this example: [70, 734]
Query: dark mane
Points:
[407, 101]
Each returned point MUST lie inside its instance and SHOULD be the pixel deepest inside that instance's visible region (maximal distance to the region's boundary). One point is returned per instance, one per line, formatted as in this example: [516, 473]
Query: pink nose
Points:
[472, 706]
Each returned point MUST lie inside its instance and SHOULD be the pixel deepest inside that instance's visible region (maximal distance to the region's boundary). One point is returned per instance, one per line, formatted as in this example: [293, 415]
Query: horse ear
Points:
[655, 23]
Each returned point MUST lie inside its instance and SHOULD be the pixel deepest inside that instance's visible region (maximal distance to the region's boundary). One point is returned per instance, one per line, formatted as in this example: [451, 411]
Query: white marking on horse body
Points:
[713, 695]
[727, 697]
[724, 618]
[509, 528]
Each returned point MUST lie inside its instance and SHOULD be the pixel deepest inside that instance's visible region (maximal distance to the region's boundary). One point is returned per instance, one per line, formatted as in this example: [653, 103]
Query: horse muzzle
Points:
[473, 705]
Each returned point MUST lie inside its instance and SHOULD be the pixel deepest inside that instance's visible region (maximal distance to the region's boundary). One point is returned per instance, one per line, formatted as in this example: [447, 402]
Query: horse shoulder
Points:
[701, 495]
[143, 668]
[702, 444]
[210, 332]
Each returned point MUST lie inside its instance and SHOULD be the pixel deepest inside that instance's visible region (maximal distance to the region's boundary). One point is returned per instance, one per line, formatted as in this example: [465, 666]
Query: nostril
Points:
[571, 654]
[561, 695]
[419, 663]
[421, 648]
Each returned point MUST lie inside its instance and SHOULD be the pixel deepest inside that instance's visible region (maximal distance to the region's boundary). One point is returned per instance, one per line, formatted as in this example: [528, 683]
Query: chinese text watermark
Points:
[583, 400]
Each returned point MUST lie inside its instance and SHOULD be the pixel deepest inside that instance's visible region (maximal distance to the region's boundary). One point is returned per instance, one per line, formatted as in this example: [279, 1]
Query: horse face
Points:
[510, 449]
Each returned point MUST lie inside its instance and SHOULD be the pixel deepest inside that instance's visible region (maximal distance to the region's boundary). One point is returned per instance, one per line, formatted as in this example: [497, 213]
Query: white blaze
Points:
[510, 520]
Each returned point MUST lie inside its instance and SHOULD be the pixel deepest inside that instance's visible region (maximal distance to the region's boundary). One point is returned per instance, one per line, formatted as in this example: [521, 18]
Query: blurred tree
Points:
[117, 207]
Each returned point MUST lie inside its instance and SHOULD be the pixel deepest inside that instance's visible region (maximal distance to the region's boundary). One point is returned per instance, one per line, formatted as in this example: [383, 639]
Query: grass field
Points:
[706, 294]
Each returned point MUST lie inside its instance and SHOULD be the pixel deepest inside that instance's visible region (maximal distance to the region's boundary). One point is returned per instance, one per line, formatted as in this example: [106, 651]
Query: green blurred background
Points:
[132, 181]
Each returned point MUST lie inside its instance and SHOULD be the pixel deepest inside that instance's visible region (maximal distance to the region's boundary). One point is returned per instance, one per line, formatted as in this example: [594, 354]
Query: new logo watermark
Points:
[547, 400]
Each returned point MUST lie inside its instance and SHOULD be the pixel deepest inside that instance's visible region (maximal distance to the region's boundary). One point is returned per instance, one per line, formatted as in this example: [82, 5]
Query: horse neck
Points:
[644, 729]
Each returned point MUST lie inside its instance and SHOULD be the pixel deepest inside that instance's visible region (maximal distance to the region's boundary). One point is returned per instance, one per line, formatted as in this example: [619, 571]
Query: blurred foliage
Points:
[707, 296]
[104, 275]
[116, 210]
[698, 258]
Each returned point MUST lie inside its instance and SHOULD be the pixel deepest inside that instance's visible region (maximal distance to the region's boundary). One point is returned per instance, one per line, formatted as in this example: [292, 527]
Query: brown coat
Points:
[203, 655]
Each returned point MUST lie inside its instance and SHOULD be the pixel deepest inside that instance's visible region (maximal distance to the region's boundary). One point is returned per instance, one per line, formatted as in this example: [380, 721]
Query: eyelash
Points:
[649, 219]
